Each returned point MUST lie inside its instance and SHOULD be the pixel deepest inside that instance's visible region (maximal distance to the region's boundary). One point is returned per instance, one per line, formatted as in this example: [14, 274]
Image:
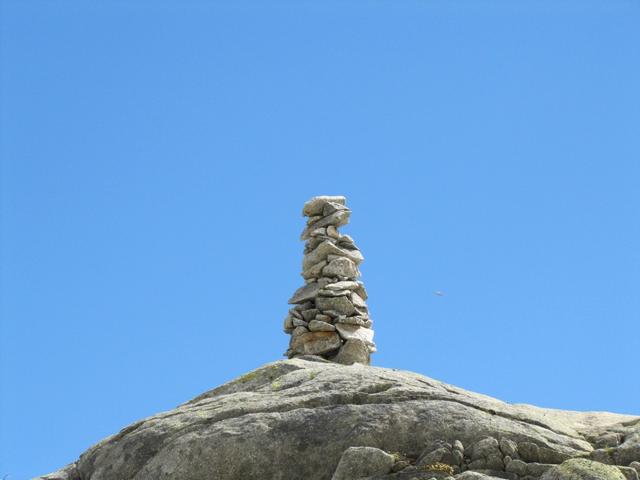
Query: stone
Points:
[318, 326]
[293, 419]
[336, 219]
[288, 324]
[341, 305]
[635, 466]
[333, 232]
[306, 292]
[321, 317]
[488, 452]
[529, 452]
[359, 462]
[582, 469]
[509, 448]
[316, 343]
[332, 207]
[355, 320]
[349, 332]
[315, 206]
[299, 322]
[334, 293]
[342, 285]
[357, 301]
[310, 314]
[317, 232]
[326, 248]
[299, 330]
[341, 267]
[353, 351]
[516, 466]
[314, 271]
[629, 472]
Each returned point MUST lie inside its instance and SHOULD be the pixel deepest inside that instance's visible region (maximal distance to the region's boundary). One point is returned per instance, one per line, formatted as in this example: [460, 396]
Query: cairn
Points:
[330, 317]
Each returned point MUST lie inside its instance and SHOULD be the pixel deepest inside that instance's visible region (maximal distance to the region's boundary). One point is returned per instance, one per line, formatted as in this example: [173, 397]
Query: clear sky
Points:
[156, 156]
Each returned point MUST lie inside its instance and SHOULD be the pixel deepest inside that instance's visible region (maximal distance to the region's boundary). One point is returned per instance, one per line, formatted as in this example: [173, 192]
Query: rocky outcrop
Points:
[299, 419]
[330, 317]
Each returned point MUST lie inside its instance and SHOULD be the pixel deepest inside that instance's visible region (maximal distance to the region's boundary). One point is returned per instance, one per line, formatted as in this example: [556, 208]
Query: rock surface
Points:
[294, 419]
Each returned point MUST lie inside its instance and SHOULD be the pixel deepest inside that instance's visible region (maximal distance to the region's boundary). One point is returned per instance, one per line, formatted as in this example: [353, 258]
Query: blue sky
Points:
[156, 156]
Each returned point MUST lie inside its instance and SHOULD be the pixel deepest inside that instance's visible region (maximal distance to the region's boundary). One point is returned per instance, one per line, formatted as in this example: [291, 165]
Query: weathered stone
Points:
[293, 419]
[318, 326]
[334, 293]
[341, 267]
[332, 207]
[288, 324]
[299, 330]
[342, 285]
[358, 302]
[535, 469]
[529, 452]
[509, 448]
[315, 206]
[629, 472]
[358, 462]
[348, 332]
[336, 219]
[299, 322]
[310, 314]
[583, 469]
[314, 271]
[326, 248]
[635, 466]
[488, 450]
[361, 291]
[321, 317]
[307, 292]
[316, 343]
[332, 232]
[355, 320]
[353, 351]
[516, 466]
[341, 305]
[318, 232]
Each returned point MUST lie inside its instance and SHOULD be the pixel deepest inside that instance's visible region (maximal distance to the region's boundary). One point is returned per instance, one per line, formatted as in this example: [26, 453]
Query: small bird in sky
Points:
[439, 293]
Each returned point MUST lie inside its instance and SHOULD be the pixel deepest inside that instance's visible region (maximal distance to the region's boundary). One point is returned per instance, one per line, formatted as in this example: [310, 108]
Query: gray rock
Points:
[326, 248]
[298, 322]
[356, 320]
[307, 292]
[357, 301]
[300, 330]
[486, 454]
[288, 324]
[353, 351]
[342, 285]
[341, 267]
[321, 317]
[528, 451]
[332, 232]
[509, 448]
[336, 219]
[314, 271]
[293, 419]
[310, 314]
[334, 293]
[635, 466]
[358, 462]
[317, 343]
[516, 466]
[341, 305]
[583, 469]
[315, 206]
[318, 326]
[629, 472]
[349, 332]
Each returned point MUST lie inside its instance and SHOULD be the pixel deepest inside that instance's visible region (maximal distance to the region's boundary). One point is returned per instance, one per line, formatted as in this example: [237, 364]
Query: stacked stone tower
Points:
[330, 317]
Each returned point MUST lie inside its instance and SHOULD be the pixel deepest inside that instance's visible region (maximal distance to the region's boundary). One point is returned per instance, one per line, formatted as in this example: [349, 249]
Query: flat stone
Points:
[317, 232]
[353, 351]
[334, 293]
[341, 267]
[314, 271]
[332, 207]
[348, 332]
[299, 330]
[336, 219]
[307, 292]
[357, 301]
[342, 285]
[315, 206]
[361, 291]
[317, 343]
[355, 320]
[321, 317]
[310, 314]
[341, 305]
[319, 326]
[298, 322]
[332, 231]
[327, 248]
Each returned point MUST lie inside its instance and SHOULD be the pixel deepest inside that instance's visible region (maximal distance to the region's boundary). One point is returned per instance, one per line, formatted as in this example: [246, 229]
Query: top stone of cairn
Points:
[330, 317]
